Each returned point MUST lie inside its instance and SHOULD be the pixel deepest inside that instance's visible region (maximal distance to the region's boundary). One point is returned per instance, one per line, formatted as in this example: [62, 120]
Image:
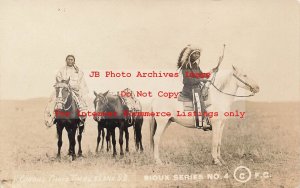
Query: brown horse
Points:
[112, 106]
[66, 116]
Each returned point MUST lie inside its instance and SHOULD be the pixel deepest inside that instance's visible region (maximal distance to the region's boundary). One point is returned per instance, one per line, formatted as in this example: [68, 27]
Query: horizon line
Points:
[34, 98]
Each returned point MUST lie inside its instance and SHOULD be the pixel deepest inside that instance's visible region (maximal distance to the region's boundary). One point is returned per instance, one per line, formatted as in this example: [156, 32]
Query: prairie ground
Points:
[266, 141]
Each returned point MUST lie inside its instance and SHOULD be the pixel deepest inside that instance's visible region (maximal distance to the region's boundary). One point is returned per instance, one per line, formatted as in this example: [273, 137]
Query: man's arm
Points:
[59, 76]
[192, 80]
[82, 84]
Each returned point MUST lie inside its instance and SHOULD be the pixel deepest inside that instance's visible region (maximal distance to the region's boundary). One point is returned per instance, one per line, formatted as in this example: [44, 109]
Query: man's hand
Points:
[221, 59]
[215, 69]
[75, 88]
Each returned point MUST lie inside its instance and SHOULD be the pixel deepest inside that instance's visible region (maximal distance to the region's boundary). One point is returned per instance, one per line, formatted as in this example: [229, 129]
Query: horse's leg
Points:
[113, 134]
[59, 129]
[215, 142]
[102, 143]
[127, 139]
[219, 143]
[121, 130]
[140, 135]
[108, 134]
[138, 131]
[79, 137]
[162, 125]
[99, 137]
[73, 141]
[135, 139]
[109, 142]
[71, 137]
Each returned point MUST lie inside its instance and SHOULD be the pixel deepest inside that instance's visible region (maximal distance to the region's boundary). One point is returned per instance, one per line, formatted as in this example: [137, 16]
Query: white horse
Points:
[221, 97]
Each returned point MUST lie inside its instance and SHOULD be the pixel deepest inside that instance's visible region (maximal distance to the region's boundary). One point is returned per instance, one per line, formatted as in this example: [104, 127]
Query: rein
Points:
[65, 101]
[70, 103]
[102, 100]
[251, 88]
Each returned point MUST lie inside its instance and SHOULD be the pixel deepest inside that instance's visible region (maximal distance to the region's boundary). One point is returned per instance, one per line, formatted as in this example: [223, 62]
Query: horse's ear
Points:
[95, 93]
[106, 93]
[234, 68]
[68, 80]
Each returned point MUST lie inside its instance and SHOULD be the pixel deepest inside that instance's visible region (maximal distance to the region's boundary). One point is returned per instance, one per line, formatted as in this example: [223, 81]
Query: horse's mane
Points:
[179, 62]
[222, 78]
[112, 96]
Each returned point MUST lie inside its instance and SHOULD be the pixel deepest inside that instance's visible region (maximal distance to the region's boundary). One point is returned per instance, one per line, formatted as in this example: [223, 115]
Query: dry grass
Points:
[266, 140]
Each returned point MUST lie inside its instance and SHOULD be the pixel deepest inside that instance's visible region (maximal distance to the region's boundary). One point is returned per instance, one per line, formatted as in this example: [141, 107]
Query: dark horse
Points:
[66, 116]
[112, 116]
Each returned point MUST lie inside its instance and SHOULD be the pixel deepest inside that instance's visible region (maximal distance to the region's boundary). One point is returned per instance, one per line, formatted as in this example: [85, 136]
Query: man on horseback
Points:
[77, 84]
[195, 88]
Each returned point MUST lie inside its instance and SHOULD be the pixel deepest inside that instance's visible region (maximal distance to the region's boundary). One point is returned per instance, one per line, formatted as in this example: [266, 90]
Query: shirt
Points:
[77, 81]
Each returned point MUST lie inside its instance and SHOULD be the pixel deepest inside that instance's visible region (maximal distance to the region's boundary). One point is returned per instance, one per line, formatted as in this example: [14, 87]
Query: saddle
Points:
[187, 102]
[131, 103]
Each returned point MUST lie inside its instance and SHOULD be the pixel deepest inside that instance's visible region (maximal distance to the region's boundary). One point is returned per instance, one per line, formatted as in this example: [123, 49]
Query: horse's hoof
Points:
[80, 155]
[121, 153]
[72, 158]
[58, 156]
[158, 162]
[217, 162]
[222, 161]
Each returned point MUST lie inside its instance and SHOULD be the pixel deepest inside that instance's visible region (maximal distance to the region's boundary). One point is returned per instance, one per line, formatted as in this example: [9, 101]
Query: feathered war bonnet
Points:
[185, 57]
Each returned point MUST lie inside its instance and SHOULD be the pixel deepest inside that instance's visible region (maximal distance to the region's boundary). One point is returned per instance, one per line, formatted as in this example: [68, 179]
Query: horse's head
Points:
[243, 81]
[63, 91]
[101, 104]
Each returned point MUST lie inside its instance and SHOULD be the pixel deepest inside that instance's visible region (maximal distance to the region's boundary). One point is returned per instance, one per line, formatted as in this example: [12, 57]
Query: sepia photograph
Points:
[144, 94]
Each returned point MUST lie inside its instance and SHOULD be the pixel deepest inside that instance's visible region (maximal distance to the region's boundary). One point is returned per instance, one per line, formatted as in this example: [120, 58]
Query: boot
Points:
[208, 126]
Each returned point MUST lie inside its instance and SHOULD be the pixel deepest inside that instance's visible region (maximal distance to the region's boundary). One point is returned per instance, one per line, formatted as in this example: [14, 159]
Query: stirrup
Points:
[199, 127]
[208, 127]
[205, 128]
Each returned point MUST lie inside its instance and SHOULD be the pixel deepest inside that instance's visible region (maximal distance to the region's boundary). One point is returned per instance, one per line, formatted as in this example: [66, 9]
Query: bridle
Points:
[246, 84]
[239, 79]
[103, 99]
[60, 100]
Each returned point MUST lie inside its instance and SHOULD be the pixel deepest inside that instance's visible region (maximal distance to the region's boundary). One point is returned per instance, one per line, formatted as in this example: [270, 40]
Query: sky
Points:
[261, 37]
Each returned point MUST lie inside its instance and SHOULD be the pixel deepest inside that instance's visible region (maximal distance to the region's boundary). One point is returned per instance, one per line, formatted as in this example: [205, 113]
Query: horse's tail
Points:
[153, 126]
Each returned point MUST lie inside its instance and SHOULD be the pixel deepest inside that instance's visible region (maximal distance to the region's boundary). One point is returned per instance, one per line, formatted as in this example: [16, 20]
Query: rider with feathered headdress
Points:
[188, 62]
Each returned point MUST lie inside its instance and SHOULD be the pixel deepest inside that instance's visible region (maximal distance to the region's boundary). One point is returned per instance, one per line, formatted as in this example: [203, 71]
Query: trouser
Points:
[82, 106]
[200, 101]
